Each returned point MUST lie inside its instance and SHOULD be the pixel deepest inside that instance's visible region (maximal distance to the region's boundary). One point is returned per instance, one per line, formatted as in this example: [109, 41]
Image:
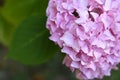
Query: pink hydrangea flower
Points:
[88, 31]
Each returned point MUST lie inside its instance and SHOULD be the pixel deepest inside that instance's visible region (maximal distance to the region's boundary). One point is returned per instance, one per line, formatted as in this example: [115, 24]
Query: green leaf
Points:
[30, 44]
[16, 11]
[6, 31]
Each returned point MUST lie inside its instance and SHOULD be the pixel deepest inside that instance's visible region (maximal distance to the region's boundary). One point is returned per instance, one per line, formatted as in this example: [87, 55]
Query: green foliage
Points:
[6, 31]
[15, 11]
[25, 36]
[30, 43]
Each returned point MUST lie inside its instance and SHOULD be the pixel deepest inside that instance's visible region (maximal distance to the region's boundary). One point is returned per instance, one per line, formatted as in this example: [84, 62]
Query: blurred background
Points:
[51, 70]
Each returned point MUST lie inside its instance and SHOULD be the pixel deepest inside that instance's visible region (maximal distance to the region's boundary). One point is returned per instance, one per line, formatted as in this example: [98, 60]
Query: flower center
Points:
[75, 13]
[98, 11]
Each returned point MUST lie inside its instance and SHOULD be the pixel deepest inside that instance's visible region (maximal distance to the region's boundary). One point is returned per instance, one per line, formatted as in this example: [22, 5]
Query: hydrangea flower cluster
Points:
[88, 31]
